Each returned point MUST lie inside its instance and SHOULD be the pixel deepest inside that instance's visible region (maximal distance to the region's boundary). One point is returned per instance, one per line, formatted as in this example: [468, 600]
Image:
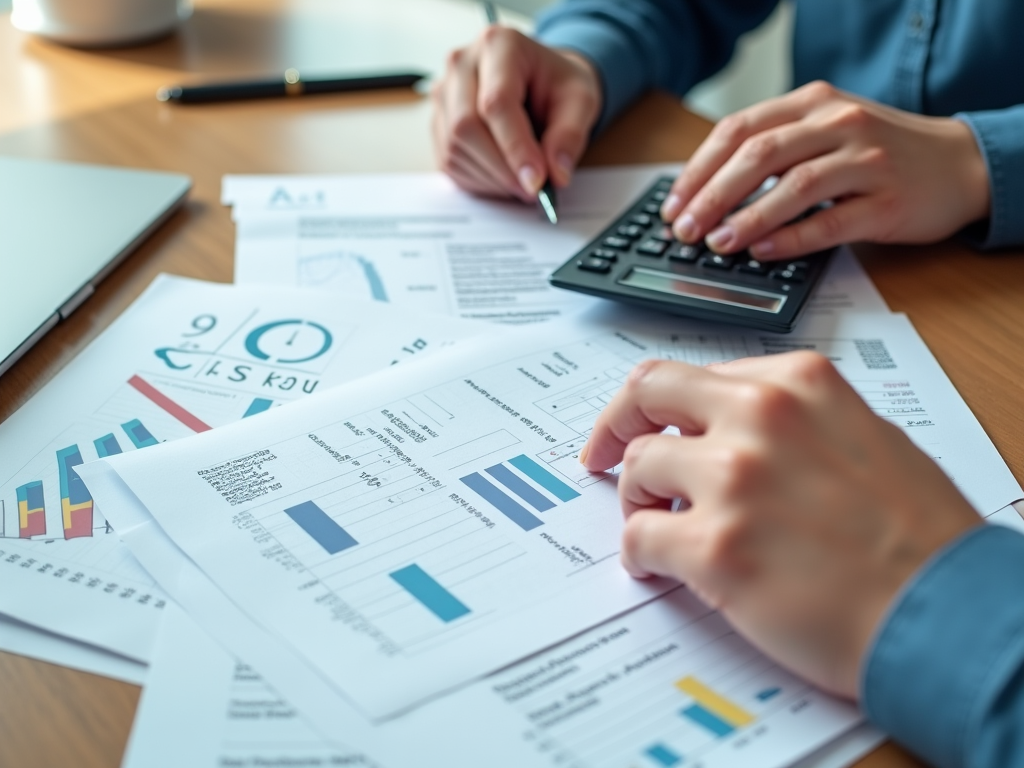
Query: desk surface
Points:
[97, 106]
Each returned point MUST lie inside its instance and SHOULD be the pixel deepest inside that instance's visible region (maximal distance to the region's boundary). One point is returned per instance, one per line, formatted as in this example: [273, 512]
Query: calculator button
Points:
[590, 264]
[717, 261]
[632, 231]
[616, 243]
[753, 267]
[789, 275]
[652, 247]
[652, 208]
[664, 234]
[659, 195]
[604, 253]
[683, 252]
[643, 219]
[797, 265]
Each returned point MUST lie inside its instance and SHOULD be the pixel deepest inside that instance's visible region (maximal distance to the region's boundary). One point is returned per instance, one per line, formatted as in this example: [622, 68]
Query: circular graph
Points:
[288, 341]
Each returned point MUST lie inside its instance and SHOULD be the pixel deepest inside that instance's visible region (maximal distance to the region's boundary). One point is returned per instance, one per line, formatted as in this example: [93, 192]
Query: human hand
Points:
[806, 512]
[482, 133]
[895, 177]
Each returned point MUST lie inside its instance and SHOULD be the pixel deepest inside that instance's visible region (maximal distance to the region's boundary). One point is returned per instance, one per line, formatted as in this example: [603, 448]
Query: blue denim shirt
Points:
[962, 58]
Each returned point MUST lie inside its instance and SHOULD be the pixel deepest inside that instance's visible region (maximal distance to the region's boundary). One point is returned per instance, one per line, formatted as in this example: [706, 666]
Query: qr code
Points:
[874, 354]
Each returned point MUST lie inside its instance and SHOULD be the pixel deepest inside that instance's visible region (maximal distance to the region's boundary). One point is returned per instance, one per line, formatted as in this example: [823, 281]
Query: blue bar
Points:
[138, 434]
[520, 487]
[768, 693]
[708, 720]
[259, 405]
[107, 446]
[432, 595]
[505, 504]
[543, 478]
[321, 527]
[662, 755]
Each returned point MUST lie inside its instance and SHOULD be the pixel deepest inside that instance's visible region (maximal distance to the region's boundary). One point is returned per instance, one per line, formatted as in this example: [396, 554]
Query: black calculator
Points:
[637, 260]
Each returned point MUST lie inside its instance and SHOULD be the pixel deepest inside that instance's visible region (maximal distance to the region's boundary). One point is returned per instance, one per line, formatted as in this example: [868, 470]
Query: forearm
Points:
[945, 675]
[1000, 136]
[641, 44]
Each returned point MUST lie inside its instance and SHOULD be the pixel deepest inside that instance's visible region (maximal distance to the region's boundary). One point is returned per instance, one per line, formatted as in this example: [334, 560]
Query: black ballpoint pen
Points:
[291, 84]
[546, 194]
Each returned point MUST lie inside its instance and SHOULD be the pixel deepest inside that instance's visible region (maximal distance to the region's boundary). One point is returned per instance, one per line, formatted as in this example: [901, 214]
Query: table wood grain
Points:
[97, 106]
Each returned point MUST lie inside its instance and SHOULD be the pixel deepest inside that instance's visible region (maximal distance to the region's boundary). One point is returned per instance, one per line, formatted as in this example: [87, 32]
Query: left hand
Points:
[895, 177]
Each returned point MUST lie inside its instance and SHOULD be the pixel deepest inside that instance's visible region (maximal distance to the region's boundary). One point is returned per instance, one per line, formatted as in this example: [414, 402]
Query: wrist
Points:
[970, 172]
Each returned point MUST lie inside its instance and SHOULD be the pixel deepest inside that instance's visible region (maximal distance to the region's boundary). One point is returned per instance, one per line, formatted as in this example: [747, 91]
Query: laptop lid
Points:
[63, 227]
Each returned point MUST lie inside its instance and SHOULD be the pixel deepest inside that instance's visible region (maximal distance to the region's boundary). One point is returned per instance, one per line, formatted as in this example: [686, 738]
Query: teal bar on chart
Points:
[543, 478]
[107, 446]
[435, 598]
[138, 434]
[663, 756]
[707, 719]
[259, 405]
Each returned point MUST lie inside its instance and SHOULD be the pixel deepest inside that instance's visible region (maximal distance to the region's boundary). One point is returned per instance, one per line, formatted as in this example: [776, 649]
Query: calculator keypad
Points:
[688, 279]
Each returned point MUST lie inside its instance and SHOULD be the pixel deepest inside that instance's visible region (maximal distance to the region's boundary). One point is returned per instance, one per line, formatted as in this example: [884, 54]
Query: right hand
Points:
[482, 132]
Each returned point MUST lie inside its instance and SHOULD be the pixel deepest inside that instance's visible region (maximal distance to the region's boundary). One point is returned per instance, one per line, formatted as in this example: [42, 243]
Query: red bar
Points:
[186, 418]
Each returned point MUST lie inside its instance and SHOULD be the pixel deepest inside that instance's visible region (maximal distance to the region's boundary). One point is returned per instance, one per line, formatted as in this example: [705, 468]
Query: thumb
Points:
[570, 116]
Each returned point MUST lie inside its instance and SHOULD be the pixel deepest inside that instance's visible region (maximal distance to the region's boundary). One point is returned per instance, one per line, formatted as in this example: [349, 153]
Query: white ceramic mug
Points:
[99, 22]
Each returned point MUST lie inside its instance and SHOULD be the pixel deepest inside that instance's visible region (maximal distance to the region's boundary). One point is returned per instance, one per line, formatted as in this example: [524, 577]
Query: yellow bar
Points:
[67, 507]
[725, 709]
[23, 514]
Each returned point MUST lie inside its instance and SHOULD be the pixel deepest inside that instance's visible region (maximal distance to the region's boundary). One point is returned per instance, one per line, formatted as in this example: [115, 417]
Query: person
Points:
[909, 115]
[816, 527]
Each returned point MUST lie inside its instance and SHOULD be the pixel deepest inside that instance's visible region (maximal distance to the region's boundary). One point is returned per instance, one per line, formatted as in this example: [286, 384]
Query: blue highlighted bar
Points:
[707, 719]
[321, 527]
[543, 478]
[138, 434]
[662, 755]
[505, 504]
[768, 693]
[520, 487]
[435, 598]
[107, 446]
[259, 405]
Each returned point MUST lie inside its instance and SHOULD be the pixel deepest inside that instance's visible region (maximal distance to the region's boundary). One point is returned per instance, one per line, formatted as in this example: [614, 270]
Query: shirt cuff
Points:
[1000, 136]
[619, 64]
[950, 644]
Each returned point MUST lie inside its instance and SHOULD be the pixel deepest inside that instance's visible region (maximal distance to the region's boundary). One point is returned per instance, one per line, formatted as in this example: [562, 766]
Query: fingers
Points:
[505, 71]
[845, 222]
[465, 148]
[658, 469]
[657, 394]
[570, 110]
[828, 177]
[721, 144]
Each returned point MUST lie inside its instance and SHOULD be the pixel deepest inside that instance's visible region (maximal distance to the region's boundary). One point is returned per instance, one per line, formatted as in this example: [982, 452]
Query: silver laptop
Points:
[63, 228]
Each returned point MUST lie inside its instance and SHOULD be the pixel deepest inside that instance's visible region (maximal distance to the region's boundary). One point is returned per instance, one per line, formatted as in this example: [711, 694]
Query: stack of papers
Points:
[338, 508]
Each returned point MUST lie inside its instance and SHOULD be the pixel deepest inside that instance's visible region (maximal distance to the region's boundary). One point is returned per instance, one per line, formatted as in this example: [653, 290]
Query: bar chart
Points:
[507, 492]
[660, 688]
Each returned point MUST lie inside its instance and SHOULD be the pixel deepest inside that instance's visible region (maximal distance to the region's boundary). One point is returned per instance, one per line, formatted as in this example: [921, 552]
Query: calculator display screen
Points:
[708, 290]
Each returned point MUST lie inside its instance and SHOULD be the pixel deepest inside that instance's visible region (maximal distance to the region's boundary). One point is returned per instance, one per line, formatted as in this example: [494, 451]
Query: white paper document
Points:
[426, 527]
[417, 240]
[26, 640]
[187, 356]
[668, 684]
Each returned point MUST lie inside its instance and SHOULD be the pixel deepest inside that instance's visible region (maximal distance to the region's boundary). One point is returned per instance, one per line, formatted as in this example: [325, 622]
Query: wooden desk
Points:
[98, 107]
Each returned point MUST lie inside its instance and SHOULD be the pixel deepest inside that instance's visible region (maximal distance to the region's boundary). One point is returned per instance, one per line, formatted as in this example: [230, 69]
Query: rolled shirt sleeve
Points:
[641, 44]
[945, 674]
[1000, 135]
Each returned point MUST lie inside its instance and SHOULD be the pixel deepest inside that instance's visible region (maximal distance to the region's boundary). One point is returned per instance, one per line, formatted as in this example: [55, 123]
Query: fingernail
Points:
[529, 179]
[671, 207]
[763, 248]
[686, 228]
[722, 238]
[584, 453]
[565, 165]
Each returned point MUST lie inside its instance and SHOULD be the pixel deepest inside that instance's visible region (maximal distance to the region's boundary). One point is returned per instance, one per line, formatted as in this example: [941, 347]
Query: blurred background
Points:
[760, 69]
